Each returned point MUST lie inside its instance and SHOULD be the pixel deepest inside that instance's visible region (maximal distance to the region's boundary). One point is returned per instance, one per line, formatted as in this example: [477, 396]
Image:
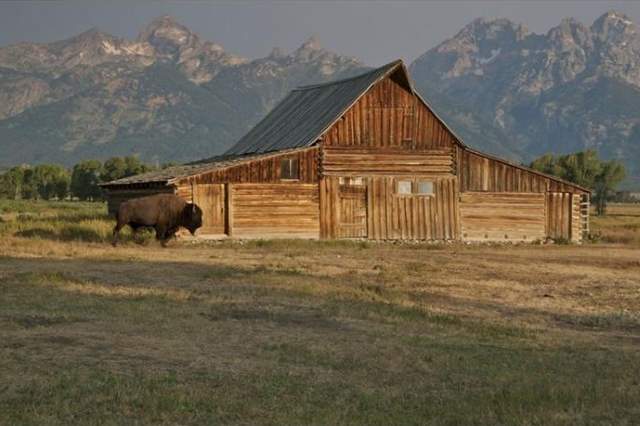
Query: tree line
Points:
[587, 170]
[53, 181]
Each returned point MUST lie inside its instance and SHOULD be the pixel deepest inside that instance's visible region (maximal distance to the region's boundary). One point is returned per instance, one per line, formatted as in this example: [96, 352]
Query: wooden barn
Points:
[365, 157]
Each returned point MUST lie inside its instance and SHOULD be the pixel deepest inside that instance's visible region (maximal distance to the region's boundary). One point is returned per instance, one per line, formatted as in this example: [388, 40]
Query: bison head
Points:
[192, 217]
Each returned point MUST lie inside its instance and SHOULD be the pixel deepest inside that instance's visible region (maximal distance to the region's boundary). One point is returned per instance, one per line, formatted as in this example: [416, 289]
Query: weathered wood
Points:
[389, 115]
[352, 222]
[564, 218]
[497, 216]
[266, 170]
[278, 209]
[229, 210]
[211, 199]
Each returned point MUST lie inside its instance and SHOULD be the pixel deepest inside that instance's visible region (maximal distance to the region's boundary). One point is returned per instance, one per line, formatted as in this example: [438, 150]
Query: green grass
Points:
[61, 221]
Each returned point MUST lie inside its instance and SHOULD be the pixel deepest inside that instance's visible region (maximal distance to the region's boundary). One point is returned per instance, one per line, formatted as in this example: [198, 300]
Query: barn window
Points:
[350, 181]
[289, 168]
[404, 187]
[424, 187]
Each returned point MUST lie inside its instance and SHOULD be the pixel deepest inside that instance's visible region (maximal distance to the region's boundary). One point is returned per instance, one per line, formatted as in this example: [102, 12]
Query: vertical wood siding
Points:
[389, 116]
[499, 216]
[352, 218]
[392, 216]
[210, 198]
[563, 216]
[265, 170]
[479, 173]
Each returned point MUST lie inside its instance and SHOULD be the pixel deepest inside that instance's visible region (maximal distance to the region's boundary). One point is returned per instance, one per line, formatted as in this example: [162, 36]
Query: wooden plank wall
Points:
[261, 170]
[496, 216]
[560, 210]
[389, 115]
[337, 161]
[478, 173]
[116, 196]
[352, 220]
[392, 216]
[275, 210]
[210, 198]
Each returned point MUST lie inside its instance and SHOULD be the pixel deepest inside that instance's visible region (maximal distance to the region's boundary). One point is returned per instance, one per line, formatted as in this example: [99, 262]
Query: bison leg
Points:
[116, 233]
[171, 233]
[135, 232]
[161, 234]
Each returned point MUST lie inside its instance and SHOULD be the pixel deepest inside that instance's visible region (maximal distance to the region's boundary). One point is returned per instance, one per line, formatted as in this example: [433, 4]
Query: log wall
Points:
[499, 216]
[576, 218]
[274, 210]
[347, 161]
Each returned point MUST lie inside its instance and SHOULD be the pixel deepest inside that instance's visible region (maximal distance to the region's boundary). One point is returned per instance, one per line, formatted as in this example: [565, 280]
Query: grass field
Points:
[303, 332]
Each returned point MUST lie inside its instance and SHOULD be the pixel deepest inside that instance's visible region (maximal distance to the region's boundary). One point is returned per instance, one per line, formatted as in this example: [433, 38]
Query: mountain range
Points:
[169, 95]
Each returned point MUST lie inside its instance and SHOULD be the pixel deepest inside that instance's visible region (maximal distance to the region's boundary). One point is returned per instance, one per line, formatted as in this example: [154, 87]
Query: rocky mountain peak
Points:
[167, 36]
[312, 43]
[276, 53]
[614, 27]
[86, 38]
[570, 33]
[543, 92]
[491, 31]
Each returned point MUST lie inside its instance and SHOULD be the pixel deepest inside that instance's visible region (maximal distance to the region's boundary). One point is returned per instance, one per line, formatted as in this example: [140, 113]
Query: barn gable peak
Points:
[308, 111]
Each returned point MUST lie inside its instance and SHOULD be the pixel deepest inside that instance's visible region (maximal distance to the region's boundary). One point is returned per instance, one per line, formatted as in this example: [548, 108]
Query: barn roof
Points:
[170, 174]
[307, 112]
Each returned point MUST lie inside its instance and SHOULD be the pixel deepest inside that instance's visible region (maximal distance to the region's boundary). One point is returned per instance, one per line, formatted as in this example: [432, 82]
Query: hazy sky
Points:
[376, 32]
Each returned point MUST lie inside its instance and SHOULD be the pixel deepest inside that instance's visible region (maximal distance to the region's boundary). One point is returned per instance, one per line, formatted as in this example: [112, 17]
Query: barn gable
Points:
[306, 113]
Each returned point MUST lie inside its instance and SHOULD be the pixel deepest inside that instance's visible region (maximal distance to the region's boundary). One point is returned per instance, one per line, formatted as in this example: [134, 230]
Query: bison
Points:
[166, 213]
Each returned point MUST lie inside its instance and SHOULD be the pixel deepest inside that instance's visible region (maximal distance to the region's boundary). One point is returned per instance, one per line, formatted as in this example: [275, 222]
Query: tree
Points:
[85, 178]
[580, 168]
[547, 164]
[11, 183]
[29, 188]
[120, 167]
[611, 174]
[168, 164]
[135, 166]
[114, 168]
[585, 169]
[51, 180]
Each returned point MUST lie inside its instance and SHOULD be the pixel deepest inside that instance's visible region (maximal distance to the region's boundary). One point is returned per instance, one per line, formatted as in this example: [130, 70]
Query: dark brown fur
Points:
[166, 213]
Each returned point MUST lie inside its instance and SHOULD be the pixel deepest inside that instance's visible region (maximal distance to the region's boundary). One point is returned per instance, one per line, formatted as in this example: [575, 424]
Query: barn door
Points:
[352, 218]
[210, 198]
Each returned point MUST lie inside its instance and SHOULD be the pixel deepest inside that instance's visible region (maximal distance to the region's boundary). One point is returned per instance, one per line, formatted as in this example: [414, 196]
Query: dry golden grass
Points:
[620, 225]
[298, 332]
